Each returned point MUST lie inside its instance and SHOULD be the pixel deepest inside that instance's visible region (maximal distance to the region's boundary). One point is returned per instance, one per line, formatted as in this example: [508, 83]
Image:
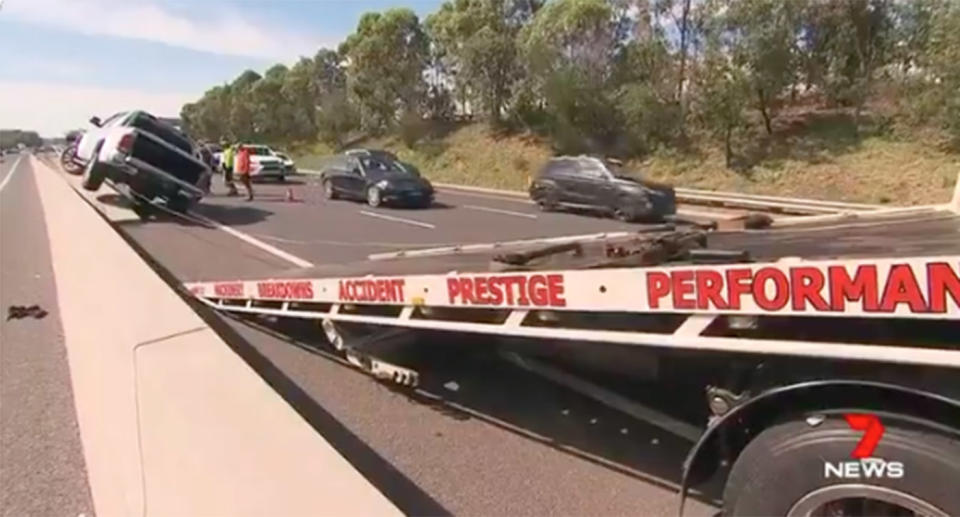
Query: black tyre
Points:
[783, 472]
[374, 197]
[179, 204]
[94, 173]
[281, 179]
[623, 211]
[328, 191]
[546, 201]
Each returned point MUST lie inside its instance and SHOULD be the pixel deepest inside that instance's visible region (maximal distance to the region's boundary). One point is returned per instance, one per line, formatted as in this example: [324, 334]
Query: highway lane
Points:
[325, 231]
[42, 470]
[481, 437]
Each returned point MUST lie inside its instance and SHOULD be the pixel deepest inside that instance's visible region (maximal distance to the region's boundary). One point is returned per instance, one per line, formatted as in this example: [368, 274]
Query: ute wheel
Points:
[94, 173]
[783, 472]
[374, 197]
[281, 179]
[179, 204]
[68, 160]
[328, 192]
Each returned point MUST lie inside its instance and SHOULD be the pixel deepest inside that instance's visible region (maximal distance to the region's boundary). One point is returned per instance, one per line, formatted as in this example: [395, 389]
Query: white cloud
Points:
[226, 34]
[53, 108]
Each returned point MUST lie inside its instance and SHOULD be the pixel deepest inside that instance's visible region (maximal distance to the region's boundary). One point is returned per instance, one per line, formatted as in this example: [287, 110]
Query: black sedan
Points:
[375, 177]
[595, 184]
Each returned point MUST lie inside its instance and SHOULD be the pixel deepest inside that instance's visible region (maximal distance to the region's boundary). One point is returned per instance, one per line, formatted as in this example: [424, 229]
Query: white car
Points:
[288, 164]
[149, 157]
[264, 163]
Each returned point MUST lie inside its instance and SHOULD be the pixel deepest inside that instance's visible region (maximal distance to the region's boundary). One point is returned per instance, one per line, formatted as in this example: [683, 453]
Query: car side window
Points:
[592, 171]
[353, 164]
[559, 169]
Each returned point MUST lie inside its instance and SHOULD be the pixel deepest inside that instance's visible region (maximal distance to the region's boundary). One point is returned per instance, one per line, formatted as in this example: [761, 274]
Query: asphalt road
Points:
[480, 437]
[41, 458]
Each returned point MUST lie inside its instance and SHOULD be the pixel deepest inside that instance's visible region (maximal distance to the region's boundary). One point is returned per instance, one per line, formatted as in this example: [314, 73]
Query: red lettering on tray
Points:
[512, 290]
[805, 288]
[807, 284]
[381, 290]
[862, 287]
[228, 289]
[941, 281]
[902, 287]
[286, 289]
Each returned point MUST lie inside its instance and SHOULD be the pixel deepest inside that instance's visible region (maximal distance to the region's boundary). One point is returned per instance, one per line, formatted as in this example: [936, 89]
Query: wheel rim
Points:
[373, 197]
[839, 500]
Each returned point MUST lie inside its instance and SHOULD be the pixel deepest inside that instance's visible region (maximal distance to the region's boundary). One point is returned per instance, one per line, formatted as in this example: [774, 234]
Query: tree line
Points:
[11, 138]
[615, 76]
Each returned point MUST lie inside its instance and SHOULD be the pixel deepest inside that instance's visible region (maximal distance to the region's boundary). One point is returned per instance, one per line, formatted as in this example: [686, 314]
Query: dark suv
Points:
[596, 184]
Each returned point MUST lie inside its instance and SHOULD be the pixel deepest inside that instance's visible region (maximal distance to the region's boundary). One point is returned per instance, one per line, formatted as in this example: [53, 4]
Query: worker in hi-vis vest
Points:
[227, 166]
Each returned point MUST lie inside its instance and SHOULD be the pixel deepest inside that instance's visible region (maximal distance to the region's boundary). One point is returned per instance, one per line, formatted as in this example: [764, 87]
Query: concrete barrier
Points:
[172, 421]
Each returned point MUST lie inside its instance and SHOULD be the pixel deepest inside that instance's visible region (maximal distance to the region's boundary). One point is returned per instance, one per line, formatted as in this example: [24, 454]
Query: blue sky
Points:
[65, 60]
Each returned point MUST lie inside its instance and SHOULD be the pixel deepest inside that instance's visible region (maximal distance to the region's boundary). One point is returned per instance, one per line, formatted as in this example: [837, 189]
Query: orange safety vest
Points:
[243, 161]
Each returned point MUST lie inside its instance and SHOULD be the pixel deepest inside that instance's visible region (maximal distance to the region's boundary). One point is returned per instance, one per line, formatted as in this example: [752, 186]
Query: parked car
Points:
[597, 184]
[264, 163]
[288, 166]
[376, 177]
[151, 158]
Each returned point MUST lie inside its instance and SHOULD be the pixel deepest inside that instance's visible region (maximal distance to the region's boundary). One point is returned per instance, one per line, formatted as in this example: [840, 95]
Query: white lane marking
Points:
[273, 250]
[708, 215]
[10, 174]
[517, 199]
[682, 211]
[398, 219]
[501, 211]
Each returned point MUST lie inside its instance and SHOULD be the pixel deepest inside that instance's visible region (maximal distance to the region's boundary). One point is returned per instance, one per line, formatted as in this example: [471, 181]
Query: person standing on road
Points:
[243, 169]
[227, 166]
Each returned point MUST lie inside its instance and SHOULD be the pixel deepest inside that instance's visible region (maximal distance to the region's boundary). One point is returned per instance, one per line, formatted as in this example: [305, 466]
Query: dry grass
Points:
[816, 155]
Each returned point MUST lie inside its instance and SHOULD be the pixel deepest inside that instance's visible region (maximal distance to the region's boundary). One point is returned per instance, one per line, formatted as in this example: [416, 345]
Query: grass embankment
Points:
[818, 155]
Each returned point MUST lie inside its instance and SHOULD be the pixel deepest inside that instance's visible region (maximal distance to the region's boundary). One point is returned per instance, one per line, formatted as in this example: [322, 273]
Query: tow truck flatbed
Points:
[808, 330]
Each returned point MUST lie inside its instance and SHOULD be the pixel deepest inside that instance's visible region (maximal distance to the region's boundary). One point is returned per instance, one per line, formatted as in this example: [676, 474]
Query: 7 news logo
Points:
[864, 466]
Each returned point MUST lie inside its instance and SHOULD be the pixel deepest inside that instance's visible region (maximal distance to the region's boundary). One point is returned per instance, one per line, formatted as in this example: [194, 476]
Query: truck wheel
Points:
[374, 198]
[783, 471]
[94, 173]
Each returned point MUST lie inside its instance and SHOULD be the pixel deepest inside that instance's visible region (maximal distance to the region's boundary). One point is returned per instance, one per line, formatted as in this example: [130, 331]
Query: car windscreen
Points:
[260, 151]
[381, 165]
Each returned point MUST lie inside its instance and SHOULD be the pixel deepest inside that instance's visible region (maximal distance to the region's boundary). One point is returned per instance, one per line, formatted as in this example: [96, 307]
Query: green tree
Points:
[723, 89]
[386, 58]
[848, 42]
[476, 41]
[762, 36]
